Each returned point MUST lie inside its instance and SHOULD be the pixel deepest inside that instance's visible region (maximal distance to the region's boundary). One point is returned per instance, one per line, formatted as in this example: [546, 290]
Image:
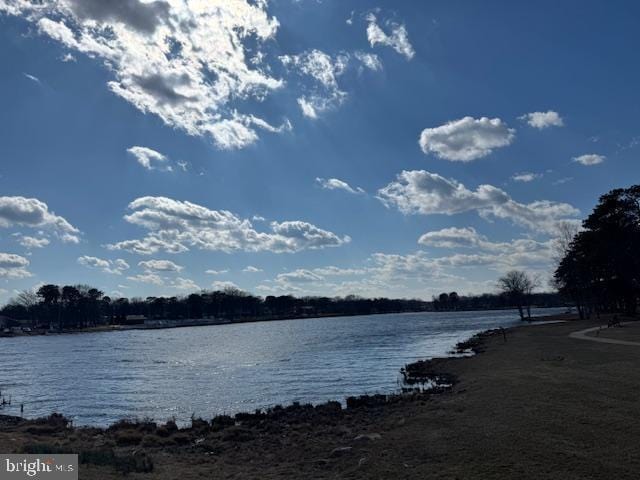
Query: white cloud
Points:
[336, 184]
[176, 226]
[349, 21]
[115, 267]
[398, 38]
[33, 213]
[519, 254]
[332, 270]
[325, 92]
[526, 177]
[369, 60]
[160, 266]
[184, 284]
[590, 159]
[31, 77]
[299, 275]
[325, 70]
[13, 266]
[421, 274]
[150, 159]
[252, 269]
[520, 251]
[466, 139]
[29, 242]
[426, 193]
[541, 120]
[216, 272]
[224, 285]
[562, 181]
[452, 238]
[186, 62]
[150, 278]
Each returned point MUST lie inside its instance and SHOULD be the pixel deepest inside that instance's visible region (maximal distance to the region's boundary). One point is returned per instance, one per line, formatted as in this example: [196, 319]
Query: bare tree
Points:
[519, 286]
[566, 232]
[29, 300]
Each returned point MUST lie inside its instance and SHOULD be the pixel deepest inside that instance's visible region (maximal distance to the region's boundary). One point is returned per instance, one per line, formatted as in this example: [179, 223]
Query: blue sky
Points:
[306, 147]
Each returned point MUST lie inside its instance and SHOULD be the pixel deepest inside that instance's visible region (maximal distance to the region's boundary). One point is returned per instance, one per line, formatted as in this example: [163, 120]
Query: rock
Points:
[340, 451]
[362, 461]
[367, 437]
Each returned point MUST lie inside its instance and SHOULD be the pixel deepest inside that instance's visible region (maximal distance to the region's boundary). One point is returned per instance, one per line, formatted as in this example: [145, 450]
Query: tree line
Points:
[599, 268]
[512, 294]
[82, 306]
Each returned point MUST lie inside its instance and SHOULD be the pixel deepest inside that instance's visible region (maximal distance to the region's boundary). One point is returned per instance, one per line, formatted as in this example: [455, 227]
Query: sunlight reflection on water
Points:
[98, 378]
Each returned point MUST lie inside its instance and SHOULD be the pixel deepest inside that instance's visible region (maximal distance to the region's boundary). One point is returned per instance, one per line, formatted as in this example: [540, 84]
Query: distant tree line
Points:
[600, 266]
[508, 298]
[81, 306]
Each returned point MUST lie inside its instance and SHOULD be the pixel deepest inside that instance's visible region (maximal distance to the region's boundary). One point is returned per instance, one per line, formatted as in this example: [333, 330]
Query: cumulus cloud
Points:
[115, 267]
[420, 273]
[185, 284]
[526, 177]
[160, 266]
[30, 242]
[13, 266]
[466, 139]
[519, 254]
[33, 213]
[224, 285]
[521, 251]
[590, 159]
[150, 159]
[541, 120]
[397, 38]
[452, 237]
[252, 269]
[177, 226]
[426, 193]
[189, 63]
[336, 184]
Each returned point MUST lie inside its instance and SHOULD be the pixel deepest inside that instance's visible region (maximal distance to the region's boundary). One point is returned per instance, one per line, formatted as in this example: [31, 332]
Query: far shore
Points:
[533, 403]
[207, 322]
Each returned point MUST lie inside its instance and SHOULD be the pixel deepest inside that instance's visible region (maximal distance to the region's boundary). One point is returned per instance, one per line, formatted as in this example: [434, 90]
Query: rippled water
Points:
[97, 378]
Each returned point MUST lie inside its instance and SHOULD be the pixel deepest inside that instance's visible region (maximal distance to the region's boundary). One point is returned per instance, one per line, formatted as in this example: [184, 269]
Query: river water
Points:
[98, 378]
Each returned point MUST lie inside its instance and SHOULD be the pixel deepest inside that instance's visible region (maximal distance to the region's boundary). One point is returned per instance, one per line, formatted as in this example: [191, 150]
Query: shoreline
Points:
[363, 424]
[221, 322]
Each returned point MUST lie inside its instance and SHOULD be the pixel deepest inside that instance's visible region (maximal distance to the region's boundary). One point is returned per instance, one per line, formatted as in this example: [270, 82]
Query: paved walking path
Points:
[582, 335]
